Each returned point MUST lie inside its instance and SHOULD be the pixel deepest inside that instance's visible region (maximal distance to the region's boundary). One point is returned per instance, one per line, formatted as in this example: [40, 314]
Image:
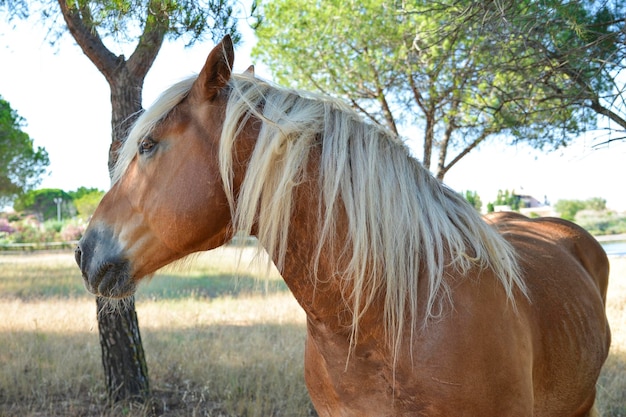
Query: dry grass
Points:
[216, 345]
[612, 383]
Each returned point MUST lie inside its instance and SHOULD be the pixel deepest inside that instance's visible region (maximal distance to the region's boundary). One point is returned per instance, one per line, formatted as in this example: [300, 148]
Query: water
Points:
[617, 248]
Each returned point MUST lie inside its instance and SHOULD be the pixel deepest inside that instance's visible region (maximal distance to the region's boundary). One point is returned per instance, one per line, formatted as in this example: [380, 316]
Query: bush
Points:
[474, 199]
[87, 202]
[5, 227]
[568, 209]
[72, 231]
[52, 226]
[31, 230]
[27, 232]
[601, 222]
[42, 203]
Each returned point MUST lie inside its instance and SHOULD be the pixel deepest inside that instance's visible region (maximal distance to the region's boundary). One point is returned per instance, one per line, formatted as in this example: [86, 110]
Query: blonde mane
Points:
[403, 223]
[401, 220]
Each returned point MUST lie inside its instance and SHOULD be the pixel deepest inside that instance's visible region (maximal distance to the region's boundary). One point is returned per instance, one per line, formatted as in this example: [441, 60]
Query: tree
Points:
[45, 202]
[86, 201]
[455, 69]
[568, 209]
[596, 204]
[473, 198]
[88, 22]
[577, 50]
[21, 164]
[507, 198]
[91, 21]
[146, 24]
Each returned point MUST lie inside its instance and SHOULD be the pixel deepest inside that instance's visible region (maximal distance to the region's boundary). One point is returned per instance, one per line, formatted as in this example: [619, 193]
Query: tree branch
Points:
[150, 41]
[361, 109]
[445, 143]
[444, 169]
[600, 109]
[391, 123]
[88, 40]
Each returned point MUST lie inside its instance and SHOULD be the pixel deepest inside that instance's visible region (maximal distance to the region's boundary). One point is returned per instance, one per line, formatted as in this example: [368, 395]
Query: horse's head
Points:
[168, 197]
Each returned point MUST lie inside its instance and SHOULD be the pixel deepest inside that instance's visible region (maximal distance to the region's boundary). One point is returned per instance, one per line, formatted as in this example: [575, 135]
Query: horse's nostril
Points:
[78, 255]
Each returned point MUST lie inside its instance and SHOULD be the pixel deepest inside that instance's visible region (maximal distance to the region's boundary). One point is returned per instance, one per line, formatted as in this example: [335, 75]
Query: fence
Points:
[237, 240]
[32, 247]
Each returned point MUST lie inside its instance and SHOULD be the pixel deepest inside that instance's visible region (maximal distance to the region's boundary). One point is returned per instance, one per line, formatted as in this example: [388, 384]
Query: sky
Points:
[65, 102]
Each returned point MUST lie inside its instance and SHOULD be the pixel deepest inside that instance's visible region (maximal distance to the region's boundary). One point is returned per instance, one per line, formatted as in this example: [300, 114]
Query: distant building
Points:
[529, 206]
[528, 201]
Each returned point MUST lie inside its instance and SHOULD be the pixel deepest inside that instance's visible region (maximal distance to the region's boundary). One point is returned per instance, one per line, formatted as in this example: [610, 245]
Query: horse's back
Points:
[555, 237]
[566, 272]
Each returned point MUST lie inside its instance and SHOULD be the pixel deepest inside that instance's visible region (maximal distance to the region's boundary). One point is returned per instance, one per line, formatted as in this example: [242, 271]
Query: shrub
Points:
[601, 222]
[26, 232]
[53, 226]
[72, 231]
[87, 202]
[568, 209]
[5, 227]
[31, 230]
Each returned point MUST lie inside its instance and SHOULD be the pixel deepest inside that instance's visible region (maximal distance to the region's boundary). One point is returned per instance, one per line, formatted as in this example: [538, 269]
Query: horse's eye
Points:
[146, 145]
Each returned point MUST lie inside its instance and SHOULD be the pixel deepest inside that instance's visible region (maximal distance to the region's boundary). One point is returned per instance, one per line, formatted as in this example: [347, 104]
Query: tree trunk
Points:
[429, 135]
[125, 107]
[123, 359]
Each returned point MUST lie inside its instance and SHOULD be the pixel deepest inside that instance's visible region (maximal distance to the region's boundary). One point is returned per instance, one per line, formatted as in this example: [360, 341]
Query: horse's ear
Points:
[216, 71]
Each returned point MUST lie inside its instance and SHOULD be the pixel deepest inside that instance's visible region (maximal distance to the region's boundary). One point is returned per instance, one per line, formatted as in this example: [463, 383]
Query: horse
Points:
[415, 304]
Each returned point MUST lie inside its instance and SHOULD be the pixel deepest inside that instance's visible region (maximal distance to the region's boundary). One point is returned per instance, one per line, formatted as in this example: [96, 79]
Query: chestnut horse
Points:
[415, 305]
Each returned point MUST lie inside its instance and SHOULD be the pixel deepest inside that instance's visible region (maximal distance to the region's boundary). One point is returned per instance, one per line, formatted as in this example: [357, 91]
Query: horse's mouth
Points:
[110, 279]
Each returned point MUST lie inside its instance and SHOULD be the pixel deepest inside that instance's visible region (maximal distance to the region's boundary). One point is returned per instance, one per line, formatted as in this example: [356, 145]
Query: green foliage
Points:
[568, 209]
[82, 202]
[461, 71]
[124, 20]
[86, 201]
[29, 229]
[87, 204]
[83, 191]
[595, 203]
[602, 223]
[507, 198]
[474, 199]
[42, 203]
[339, 42]
[348, 49]
[21, 164]
[36, 220]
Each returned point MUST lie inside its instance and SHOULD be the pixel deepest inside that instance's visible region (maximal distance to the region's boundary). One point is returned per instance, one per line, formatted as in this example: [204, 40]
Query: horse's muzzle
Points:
[105, 271]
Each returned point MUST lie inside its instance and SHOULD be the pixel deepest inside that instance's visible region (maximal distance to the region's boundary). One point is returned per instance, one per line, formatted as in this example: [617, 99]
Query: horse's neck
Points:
[316, 286]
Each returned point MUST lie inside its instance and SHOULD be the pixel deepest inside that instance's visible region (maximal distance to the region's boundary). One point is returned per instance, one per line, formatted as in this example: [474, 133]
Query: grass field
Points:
[218, 342]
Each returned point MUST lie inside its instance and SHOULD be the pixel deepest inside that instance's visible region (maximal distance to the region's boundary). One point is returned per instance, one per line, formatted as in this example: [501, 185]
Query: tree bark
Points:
[123, 359]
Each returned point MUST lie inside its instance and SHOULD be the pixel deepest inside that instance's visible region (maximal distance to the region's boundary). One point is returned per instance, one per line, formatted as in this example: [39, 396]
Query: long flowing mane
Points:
[404, 225]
